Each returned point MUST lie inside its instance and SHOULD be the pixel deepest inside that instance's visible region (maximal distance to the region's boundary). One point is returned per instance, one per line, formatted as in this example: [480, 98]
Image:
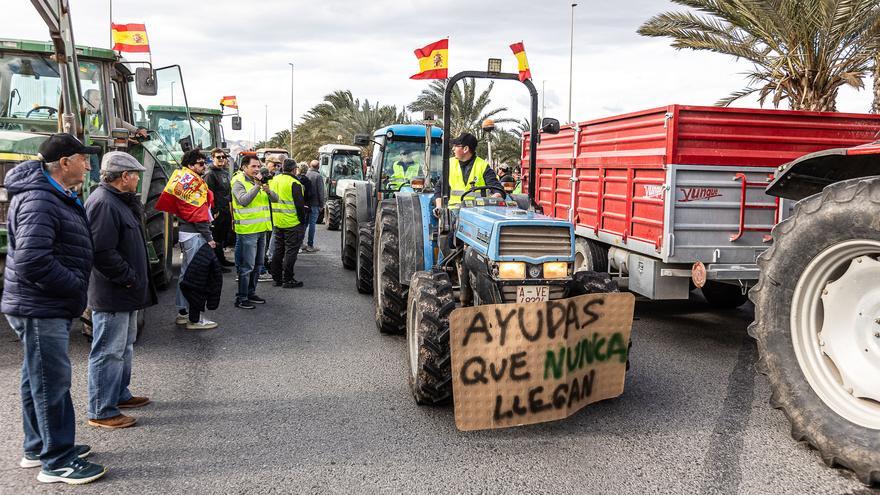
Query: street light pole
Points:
[543, 82]
[265, 124]
[291, 109]
[571, 62]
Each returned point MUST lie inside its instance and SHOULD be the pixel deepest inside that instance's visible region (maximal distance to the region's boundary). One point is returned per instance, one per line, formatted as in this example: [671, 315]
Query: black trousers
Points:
[287, 244]
[221, 230]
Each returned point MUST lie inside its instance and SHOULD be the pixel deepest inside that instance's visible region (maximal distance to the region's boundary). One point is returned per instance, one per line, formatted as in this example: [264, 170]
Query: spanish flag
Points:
[433, 60]
[187, 196]
[229, 101]
[130, 38]
[520, 52]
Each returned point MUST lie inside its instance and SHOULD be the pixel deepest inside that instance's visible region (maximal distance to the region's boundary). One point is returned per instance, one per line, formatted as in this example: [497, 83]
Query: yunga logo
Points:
[654, 191]
[698, 193]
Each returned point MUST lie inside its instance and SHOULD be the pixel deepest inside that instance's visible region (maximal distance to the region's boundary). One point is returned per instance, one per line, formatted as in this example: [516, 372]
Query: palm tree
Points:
[469, 110]
[802, 51]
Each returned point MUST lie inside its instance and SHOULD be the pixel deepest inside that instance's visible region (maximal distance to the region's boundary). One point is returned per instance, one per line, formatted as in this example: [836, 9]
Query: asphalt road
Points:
[303, 395]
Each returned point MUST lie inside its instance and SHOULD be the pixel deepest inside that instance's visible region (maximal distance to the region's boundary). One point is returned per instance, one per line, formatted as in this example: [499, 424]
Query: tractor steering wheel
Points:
[41, 107]
[483, 189]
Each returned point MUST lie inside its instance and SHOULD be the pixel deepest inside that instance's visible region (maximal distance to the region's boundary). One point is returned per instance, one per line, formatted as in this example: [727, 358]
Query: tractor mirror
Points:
[186, 144]
[361, 139]
[145, 81]
[550, 126]
[236, 123]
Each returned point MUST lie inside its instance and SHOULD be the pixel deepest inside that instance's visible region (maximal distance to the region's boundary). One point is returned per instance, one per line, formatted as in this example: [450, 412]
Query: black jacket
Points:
[203, 280]
[307, 189]
[50, 248]
[218, 181]
[120, 279]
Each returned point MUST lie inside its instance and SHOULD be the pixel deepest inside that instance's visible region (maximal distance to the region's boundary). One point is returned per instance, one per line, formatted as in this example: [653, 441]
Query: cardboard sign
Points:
[519, 364]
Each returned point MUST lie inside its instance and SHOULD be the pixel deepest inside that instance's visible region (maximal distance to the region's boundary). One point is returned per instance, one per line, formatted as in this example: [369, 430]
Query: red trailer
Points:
[675, 194]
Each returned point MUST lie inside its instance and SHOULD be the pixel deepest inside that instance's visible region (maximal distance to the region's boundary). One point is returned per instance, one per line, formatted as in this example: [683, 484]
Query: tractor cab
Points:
[398, 160]
[173, 124]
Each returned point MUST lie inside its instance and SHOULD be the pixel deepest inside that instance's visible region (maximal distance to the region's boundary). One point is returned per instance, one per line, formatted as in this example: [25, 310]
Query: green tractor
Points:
[175, 123]
[49, 87]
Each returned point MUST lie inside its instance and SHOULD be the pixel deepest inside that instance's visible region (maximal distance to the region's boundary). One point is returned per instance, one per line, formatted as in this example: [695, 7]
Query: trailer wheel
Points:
[334, 214]
[364, 271]
[816, 311]
[589, 255]
[427, 337]
[349, 235]
[389, 295]
[159, 229]
[723, 296]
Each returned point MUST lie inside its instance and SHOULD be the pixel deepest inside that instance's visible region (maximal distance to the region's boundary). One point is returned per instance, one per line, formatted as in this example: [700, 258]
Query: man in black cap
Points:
[119, 287]
[46, 283]
[467, 170]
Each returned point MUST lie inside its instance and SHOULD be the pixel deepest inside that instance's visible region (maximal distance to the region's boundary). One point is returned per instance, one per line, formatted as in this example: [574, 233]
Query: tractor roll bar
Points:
[447, 126]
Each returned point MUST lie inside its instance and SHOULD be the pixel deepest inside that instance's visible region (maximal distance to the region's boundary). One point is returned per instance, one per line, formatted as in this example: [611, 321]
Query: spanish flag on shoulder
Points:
[433, 60]
[520, 52]
[130, 38]
[187, 196]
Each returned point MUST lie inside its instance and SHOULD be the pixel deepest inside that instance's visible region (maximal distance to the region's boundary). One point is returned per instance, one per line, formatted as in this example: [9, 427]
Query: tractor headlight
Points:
[511, 270]
[555, 269]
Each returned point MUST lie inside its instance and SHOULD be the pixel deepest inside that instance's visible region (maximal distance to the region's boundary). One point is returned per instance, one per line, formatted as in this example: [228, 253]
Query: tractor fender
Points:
[416, 250]
[809, 174]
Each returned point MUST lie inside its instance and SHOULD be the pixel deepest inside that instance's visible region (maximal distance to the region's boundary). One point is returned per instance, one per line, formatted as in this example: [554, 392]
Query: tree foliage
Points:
[801, 51]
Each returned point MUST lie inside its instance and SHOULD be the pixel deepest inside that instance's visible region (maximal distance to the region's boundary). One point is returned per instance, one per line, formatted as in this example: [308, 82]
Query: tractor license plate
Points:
[532, 293]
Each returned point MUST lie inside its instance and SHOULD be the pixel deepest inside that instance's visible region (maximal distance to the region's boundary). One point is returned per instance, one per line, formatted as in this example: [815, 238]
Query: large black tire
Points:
[427, 337]
[334, 214]
[389, 295]
[349, 235]
[723, 296]
[820, 224]
[363, 273]
[589, 255]
[159, 230]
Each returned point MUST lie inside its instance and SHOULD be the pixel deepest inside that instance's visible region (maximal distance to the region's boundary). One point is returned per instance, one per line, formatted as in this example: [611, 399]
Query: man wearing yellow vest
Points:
[251, 220]
[288, 217]
[404, 169]
[467, 170]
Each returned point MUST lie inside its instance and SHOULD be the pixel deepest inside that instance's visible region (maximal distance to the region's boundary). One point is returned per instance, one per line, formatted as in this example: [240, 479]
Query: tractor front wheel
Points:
[334, 214]
[427, 337]
[389, 295]
[349, 232]
[159, 229]
[364, 269]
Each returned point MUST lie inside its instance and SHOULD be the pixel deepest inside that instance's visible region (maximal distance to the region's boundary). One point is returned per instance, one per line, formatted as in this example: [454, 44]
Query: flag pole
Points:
[111, 23]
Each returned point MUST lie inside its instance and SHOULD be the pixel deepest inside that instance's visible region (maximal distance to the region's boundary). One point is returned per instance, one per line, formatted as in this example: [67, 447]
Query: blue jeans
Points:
[313, 220]
[250, 250]
[113, 336]
[188, 249]
[46, 408]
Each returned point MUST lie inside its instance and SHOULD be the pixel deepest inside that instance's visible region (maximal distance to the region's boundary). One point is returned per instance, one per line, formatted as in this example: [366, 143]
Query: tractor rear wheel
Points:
[364, 270]
[389, 295]
[349, 235]
[723, 296]
[334, 214]
[427, 337]
[817, 304]
[159, 229]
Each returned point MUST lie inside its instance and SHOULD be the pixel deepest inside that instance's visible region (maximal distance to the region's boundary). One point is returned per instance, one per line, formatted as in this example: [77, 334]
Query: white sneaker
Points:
[202, 324]
[265, 277]
[181, 319]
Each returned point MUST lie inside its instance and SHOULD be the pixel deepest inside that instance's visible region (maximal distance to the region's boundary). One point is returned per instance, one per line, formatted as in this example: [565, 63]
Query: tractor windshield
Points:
[404, 159]
[347, 166]
[30, 93]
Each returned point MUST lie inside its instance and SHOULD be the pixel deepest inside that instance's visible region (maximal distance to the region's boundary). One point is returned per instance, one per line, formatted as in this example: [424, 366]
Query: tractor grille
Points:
[5, 166]
[535, 242]
[508, 293]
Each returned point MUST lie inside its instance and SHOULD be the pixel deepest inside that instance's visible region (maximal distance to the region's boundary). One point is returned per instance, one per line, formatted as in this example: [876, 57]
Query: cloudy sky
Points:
[243, 48]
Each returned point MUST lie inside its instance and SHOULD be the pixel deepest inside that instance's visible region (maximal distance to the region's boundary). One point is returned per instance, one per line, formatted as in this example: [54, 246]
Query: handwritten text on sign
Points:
[517, 364]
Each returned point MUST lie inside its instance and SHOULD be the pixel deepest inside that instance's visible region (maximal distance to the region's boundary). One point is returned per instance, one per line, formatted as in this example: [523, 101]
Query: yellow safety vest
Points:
[457, 185]
[284, 210]
[255, 217]
[403, 172]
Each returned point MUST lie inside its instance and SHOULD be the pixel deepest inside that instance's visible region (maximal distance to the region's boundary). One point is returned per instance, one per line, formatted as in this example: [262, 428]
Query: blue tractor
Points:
[483, 250]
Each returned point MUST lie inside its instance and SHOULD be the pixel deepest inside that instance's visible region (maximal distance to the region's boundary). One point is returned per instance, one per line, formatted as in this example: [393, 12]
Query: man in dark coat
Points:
[119, 287]
[46, 280]
[218, 179]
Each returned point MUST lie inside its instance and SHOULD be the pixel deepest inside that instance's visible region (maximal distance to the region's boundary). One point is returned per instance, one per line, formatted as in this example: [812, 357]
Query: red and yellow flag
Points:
[130, 38]
[187, 196]
[520, 52]
[229, 101]
[433, 60]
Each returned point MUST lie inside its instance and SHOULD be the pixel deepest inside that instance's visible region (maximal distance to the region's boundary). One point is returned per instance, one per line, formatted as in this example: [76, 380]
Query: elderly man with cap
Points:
[119, 287]
[46, 283]
[467, 170]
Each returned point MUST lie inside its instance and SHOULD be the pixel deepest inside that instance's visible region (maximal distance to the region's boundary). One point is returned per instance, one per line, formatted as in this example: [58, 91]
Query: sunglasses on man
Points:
[221, 157]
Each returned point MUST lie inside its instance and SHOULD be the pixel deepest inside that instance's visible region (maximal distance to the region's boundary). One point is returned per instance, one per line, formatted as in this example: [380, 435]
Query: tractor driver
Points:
[467, 170]
[404, 169]
[95, 117]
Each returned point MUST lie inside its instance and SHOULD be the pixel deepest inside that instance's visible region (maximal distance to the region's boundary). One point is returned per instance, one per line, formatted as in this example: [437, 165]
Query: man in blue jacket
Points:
[46, 282]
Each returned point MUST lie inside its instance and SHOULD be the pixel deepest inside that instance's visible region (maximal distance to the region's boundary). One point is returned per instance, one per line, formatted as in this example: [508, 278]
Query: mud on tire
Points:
[841, 212]
[389, 295]
[364, 270]
[334, 214]
[349, 235]
[427, 335]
